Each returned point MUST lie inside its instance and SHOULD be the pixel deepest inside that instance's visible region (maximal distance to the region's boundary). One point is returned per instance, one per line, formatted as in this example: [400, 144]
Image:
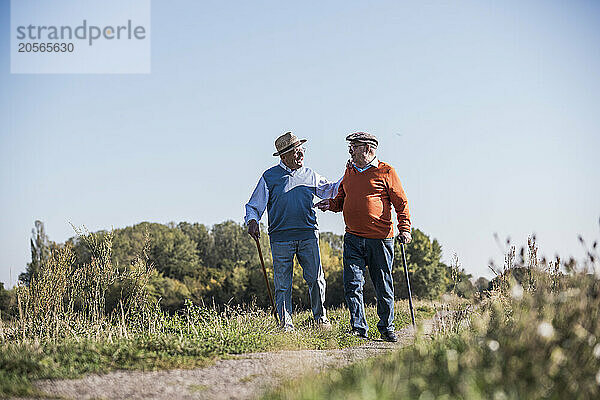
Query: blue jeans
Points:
[307, 251]
[378, 254]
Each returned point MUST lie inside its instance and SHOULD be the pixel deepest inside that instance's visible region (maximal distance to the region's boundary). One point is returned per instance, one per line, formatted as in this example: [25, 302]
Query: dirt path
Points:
[243, 377]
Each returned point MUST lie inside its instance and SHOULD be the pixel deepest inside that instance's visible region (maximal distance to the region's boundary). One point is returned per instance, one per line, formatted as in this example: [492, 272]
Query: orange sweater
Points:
[366, 199]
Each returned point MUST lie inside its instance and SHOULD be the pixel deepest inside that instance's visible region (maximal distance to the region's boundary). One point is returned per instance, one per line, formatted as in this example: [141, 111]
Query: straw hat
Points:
[286, 143]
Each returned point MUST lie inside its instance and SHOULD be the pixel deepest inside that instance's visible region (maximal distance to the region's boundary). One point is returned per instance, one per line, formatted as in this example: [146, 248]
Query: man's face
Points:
[359, 152]
[295, 158]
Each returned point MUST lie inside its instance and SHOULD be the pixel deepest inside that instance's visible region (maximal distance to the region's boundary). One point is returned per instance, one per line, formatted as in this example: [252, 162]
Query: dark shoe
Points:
[358, 334]
[389, 337]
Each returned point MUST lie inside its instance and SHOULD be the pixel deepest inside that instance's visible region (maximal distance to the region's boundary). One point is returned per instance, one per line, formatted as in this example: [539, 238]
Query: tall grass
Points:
[536, 338]
[62, 301]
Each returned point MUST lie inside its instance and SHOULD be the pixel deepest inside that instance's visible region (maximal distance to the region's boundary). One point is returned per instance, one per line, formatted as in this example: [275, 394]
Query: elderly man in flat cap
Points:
[287, 191]
[366, 194]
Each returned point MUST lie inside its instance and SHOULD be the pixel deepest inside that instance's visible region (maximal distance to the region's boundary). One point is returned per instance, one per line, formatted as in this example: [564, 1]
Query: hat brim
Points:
[290, 147]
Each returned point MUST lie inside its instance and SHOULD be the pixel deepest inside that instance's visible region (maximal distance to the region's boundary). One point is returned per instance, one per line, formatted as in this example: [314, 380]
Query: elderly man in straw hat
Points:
[287, 191]
[366, 195]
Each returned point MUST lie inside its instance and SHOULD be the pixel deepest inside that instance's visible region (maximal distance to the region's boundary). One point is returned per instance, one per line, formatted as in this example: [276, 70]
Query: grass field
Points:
[192, 338]
[535, 337]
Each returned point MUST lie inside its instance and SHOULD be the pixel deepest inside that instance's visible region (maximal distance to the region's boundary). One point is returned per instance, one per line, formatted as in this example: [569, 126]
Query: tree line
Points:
[220, 265]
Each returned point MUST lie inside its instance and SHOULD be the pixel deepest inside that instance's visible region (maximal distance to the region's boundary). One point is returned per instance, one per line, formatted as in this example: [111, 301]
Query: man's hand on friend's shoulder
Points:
[405, 237]
[253, 229]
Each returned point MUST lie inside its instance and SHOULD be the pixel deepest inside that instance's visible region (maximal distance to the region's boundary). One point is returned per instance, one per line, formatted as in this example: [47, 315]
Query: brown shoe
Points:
[325, 325]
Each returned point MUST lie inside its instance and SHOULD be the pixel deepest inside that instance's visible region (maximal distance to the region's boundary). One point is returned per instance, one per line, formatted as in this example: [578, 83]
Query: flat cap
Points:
[363, 137]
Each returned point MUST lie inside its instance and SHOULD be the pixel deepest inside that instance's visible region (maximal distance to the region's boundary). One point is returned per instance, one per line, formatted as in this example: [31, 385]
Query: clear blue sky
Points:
[489, 111]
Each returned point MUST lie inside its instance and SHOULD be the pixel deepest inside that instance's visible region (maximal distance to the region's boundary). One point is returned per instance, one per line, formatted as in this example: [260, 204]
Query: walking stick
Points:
[412, 311]
[262, 262]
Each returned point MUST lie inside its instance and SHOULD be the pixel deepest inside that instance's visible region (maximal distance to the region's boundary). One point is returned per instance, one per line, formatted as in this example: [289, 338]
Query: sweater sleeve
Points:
[337, 203]
[399, 200]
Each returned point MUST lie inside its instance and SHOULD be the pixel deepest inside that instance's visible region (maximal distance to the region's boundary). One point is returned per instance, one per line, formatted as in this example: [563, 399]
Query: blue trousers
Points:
[378, 255]
[307, 251]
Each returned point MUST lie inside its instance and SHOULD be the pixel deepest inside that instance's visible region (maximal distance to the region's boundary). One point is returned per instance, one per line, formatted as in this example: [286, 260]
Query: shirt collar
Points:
[285, 167]
[373, 163]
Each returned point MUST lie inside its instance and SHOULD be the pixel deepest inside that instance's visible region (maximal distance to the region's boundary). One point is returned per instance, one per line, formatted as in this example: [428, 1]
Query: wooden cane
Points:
[262, 262]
